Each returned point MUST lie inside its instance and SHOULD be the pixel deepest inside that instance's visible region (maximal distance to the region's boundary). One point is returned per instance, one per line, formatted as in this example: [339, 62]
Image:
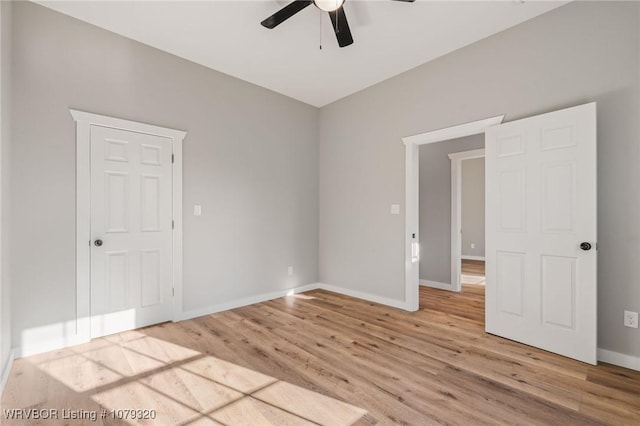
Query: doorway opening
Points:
[452, 225]
[451, 210]
[412, 197]
[467, 218]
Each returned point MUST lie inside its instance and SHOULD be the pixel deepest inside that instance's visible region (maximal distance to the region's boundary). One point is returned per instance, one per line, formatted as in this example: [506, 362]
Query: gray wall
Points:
[250, 160]
[581, 52]
[435, 205]
[472, 207]
[5, 136]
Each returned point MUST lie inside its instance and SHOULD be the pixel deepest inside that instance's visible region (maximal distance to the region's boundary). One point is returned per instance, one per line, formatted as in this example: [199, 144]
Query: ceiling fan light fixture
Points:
[336, 13]
[328, 5]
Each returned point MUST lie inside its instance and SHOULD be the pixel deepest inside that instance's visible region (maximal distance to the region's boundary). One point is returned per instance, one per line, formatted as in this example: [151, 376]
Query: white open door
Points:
[541, 232]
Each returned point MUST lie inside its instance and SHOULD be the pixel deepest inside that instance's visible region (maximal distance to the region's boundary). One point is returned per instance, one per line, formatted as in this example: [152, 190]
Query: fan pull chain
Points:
[320, 15]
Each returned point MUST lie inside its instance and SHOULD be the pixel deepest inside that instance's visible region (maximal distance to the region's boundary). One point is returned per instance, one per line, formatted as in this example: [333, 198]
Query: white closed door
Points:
[541, 232]
[131, 230]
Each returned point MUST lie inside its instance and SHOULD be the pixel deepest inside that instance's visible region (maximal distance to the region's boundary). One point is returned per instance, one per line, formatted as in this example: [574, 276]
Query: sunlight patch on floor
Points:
[472, 279]
[135, 371]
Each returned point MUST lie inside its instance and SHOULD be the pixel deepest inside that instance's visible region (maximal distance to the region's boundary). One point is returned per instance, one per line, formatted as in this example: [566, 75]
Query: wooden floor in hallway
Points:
[472, 271]
[324, 358]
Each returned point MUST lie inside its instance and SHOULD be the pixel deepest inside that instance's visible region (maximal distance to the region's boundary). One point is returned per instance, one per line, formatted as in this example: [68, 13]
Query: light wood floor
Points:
[291, 360]
[473, 272]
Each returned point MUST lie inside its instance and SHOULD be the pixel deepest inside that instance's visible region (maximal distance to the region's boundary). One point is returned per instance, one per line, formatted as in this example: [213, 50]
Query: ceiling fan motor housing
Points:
[328, 5]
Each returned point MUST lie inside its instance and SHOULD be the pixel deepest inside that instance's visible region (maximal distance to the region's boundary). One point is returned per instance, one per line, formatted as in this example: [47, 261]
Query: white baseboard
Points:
[395, 303]
[245, 301]
[5, 371]
[238, 303]
[436, 284]
[34, 346]
[463, 257]
[45, 346]
[621, 360]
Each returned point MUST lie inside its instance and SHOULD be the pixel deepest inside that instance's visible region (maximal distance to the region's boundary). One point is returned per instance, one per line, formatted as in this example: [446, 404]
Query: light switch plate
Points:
[197, 210]
[395, 208]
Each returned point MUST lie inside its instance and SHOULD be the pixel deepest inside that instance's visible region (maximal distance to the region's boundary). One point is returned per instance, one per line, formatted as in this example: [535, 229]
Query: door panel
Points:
[117, 281]
[510, 280]
[512, 201]
[151, 284]
[150, 204]
[540, 205]
[116, 150]
[151, 155]
[510, 145]
[559, 291]
[116, 199]
[131, 192]
[558, 197]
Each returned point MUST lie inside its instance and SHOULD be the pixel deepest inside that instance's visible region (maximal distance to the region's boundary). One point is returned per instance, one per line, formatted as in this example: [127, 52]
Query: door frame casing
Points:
[412, 165]
[456, 212]
[84, 121]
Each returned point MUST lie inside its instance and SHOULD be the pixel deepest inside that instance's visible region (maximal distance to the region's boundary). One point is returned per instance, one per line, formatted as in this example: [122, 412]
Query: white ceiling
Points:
[390, 37]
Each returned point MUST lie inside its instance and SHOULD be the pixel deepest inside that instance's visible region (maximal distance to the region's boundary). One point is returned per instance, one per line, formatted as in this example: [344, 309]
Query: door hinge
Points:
[173, 159]
[173, 225]
[173, 291]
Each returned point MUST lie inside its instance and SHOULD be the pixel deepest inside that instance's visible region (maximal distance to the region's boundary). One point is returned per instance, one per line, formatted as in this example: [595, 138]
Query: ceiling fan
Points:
[333, 7]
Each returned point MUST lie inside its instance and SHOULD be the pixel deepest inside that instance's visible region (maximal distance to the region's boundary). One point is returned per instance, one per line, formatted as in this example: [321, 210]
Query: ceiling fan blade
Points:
[341, 27]
[285, 13]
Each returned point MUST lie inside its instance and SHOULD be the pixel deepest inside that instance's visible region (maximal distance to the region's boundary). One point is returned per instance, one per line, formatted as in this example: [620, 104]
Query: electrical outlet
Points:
[473, 245]
[290, 271]
[631, 319]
